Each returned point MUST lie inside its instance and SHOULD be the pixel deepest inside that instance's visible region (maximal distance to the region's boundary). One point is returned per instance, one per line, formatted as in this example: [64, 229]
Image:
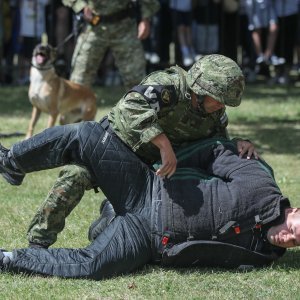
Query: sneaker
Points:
[154, 59]
[187, 61]
[198, 56]
[260, 59]
[107, 214]
[283, 80]
[276, 61]
[147, 56]
[10, 174]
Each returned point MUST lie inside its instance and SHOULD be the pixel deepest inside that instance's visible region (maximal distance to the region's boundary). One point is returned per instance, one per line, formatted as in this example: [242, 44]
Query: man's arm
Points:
[167, 154]
[245, 147]
[139, 122]
[148, 8]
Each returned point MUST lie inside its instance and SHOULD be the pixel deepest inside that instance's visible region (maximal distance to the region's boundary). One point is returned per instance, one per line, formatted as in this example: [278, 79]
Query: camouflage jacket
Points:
[108, 7]
[136, 120]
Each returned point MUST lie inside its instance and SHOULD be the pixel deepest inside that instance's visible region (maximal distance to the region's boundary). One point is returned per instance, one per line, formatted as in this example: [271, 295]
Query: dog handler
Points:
[226, 212]
[111, 25]
[166, 110]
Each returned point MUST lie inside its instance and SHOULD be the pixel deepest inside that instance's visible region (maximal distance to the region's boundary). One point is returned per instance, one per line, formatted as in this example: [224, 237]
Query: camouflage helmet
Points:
[219, 77]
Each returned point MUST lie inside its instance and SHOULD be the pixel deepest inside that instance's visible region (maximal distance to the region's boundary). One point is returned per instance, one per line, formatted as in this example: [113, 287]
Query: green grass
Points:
[269, 116]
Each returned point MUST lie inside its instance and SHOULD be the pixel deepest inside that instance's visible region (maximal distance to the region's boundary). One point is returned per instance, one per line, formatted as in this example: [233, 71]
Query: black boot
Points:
[8, 170]
[4, 260]
[37, 245]
[107, 214]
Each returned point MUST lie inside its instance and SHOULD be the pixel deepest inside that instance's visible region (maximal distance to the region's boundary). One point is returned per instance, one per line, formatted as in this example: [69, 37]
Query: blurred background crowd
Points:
[263, 36]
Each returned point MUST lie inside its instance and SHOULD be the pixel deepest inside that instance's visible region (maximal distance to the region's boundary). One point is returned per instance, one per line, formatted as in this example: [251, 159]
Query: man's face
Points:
[287, 234]
[211, 105]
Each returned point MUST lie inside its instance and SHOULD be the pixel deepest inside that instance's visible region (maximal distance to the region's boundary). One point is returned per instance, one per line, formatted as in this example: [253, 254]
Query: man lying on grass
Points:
[217, 210]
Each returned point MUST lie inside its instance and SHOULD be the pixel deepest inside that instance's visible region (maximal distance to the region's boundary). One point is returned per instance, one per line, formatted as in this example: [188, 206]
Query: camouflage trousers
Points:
[63, 197]
[93, 43]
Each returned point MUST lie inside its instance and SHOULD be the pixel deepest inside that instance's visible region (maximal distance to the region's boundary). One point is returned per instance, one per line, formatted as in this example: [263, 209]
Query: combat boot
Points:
[38, 245]
[4, 260]
[107, 214]
[11, 173]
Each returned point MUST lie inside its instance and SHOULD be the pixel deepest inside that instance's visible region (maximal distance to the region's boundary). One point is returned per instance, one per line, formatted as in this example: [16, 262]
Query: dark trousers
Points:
[123, 246]
[109, 160]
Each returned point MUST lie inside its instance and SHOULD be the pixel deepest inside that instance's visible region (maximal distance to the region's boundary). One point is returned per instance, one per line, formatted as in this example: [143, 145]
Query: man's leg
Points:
[88, 53]
[65, 194]
[125, 46]
[107, 214]
[123, 247]
[124, 179]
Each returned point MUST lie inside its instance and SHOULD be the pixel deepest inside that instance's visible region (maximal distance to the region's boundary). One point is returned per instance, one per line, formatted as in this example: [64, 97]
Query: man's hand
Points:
[246, 147]
[167, 155]
[87, 14]
[143, 29]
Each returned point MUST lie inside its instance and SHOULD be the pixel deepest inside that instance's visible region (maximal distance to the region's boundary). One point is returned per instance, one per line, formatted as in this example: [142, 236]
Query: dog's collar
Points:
[41, 68]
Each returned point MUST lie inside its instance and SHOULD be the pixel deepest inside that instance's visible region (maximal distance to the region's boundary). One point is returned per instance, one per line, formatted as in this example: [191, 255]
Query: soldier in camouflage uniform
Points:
[168, 109]
[111, 25]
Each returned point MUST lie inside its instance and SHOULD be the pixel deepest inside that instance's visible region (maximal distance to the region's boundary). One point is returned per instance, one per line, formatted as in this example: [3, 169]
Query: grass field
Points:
[269, 116]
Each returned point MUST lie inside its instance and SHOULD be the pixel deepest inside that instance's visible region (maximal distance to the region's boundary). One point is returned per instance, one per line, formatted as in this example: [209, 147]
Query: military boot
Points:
[11, 173]
[4, 260]
[107, 214]
[37, 245]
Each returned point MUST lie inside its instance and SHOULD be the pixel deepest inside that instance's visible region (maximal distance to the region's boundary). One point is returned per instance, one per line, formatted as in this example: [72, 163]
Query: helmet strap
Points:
[200, 102]
[200, 98]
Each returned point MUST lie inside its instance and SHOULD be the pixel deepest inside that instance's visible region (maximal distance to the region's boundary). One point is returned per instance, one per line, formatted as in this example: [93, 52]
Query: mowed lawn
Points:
[268, 115]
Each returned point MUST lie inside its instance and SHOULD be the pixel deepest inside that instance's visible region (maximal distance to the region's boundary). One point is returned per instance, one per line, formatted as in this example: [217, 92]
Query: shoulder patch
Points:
[158, 96]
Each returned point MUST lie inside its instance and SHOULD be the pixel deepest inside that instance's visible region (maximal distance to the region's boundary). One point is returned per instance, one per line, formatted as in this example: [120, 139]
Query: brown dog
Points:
[54, 95]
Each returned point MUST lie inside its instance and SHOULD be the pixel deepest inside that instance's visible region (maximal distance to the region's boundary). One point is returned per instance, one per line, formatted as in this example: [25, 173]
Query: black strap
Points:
[214, 254]
[158, 96]
[106, 125]
[118, 16]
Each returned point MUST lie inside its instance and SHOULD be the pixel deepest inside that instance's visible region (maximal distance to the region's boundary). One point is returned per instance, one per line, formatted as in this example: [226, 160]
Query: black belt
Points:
[118, 16]
[106, 125]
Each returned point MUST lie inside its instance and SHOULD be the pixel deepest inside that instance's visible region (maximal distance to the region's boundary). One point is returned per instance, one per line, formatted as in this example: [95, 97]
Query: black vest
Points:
[228, 207]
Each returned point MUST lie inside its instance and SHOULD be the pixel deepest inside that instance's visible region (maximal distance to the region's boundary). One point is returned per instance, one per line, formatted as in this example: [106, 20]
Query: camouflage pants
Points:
[121, 38]
[65, 194]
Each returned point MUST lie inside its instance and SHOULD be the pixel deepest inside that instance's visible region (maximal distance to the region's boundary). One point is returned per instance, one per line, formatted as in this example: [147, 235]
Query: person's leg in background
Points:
[128, 52]
[88, 53]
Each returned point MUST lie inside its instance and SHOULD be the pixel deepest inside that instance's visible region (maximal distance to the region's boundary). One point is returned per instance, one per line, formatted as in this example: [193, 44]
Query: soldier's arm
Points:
[139, 117]
[167, 154]
[148, 8]
[245, 147]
